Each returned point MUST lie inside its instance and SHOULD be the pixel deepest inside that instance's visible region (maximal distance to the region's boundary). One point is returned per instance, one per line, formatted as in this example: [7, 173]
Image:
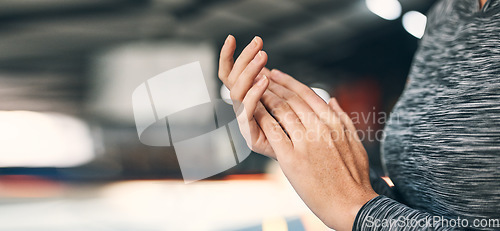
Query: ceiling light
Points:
[386, 9]
[225, 94]
[414, 22]
[323, 94]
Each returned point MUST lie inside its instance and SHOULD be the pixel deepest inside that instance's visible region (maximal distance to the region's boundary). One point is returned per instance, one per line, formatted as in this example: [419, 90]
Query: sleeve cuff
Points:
[384, 208]
[363, 211]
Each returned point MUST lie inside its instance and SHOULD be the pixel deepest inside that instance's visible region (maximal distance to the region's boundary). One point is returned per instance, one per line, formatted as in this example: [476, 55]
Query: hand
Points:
[315, 144]
[247, 80]
[322, 155]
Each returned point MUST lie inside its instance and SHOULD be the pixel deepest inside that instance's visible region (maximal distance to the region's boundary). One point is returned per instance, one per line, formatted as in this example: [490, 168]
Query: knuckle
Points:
[276, 128]
[268, 126]
[294, 97]
[281, 105]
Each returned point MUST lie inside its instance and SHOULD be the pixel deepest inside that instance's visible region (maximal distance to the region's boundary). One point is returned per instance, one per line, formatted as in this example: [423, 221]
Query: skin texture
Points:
[229, 72]
[315, 144]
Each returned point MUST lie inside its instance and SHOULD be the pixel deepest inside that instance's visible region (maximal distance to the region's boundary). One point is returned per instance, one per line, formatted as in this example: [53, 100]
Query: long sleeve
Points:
[383, 213]
[441, 146]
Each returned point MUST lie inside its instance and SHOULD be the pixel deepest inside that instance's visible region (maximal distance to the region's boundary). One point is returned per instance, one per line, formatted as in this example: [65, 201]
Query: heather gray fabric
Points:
[442, 144]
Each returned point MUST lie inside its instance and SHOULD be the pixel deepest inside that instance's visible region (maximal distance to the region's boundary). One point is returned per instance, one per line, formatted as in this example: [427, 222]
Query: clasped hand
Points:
[315, 143]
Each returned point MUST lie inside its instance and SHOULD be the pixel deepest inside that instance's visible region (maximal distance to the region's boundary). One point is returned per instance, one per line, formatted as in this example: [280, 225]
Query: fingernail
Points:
[257, 79]
[258, 57]
[254, 41]
[262, 81]
[227, 38]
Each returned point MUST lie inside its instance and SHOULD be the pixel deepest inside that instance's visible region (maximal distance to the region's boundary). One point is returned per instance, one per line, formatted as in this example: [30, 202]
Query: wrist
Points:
[341, 218]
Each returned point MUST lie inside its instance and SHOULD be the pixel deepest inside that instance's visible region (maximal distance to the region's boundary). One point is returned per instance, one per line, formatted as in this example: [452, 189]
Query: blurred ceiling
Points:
[56, 39]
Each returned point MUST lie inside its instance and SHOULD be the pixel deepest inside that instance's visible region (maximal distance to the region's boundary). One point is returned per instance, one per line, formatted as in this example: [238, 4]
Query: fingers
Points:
[253, 96]
[245, 80]
[317, 104]
[265, 71]
[306, 93]
[359, 159]
[246, 56]
[226, 61]
[351, 133]
[274, 133]
[261, 127]
[245, 117]
[306, 115]
[285, 115]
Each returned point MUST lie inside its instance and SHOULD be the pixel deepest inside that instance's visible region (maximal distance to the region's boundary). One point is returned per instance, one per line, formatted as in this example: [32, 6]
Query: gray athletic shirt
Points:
[442, 143]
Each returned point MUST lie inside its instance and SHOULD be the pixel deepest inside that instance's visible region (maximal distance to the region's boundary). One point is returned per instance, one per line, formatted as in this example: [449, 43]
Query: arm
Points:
[317, 148]
[315, 144]
[348, 152]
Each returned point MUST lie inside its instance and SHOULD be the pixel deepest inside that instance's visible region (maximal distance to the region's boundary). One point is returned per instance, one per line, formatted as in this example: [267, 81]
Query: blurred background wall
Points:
[76, 58]
[68, 68]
